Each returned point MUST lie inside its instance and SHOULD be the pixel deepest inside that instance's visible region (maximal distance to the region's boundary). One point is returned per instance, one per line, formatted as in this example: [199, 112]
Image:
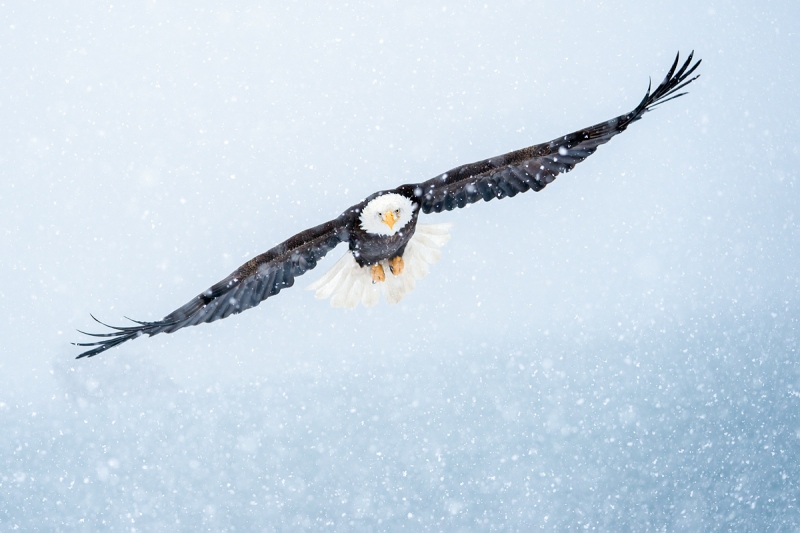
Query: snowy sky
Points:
[618, 350]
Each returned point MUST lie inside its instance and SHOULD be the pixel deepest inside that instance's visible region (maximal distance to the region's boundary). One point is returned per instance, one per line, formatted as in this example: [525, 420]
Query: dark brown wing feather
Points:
[534, 167]
[253, 282]
[506, 175]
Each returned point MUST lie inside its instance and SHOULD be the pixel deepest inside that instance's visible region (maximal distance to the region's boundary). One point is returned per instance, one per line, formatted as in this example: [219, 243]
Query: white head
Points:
[387, 214]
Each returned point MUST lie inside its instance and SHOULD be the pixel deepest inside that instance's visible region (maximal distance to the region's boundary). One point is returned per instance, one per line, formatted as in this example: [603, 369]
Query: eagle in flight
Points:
[388, 250]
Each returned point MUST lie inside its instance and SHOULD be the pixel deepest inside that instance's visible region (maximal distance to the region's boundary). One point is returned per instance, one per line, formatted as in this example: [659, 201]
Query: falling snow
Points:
[617, 352]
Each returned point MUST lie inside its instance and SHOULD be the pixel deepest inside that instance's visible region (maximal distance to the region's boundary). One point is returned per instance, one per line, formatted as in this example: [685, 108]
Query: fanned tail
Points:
[347, 283]
[422, 250]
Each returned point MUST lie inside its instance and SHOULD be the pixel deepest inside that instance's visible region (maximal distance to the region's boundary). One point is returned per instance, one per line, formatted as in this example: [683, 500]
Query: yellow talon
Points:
[377, 273]
[396, 265]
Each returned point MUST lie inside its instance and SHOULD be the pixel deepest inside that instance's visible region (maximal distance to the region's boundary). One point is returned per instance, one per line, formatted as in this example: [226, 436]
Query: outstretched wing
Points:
[258, 279]
[534, 167]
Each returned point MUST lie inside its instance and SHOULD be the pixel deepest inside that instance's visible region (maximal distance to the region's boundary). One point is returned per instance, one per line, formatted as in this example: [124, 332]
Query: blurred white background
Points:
[617, 351]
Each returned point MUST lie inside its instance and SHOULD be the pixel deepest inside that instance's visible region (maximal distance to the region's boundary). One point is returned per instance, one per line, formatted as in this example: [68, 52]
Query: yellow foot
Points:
[377, 273]
[396, 265]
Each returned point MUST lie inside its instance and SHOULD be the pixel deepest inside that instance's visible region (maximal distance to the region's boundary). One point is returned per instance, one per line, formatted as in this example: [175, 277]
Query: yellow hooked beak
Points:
[389, 219]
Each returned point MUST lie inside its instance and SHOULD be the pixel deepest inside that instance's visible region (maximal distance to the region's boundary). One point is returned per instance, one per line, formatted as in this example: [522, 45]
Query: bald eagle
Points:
[388, 250]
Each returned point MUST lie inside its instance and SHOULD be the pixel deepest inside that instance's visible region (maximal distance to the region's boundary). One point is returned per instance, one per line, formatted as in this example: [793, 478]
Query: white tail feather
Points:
[330, 280]
[346, 283]
[371, 294]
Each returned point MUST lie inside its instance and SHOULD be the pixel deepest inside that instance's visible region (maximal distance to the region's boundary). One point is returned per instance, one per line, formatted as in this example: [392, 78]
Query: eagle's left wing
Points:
[258, 279]
[532, 168]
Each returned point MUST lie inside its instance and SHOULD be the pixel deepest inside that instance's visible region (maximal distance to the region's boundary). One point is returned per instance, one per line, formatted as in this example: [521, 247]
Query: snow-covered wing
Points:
[532, 168]
[250, 284]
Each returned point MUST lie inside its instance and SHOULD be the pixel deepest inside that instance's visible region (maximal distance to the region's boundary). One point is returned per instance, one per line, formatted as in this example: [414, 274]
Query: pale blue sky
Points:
[150, 148]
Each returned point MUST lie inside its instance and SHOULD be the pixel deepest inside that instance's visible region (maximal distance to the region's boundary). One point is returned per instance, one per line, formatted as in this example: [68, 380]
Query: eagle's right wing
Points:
[534, 167]
[250, 284]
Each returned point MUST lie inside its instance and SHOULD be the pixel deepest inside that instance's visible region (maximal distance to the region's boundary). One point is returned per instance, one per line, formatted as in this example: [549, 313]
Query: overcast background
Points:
[618, 352]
